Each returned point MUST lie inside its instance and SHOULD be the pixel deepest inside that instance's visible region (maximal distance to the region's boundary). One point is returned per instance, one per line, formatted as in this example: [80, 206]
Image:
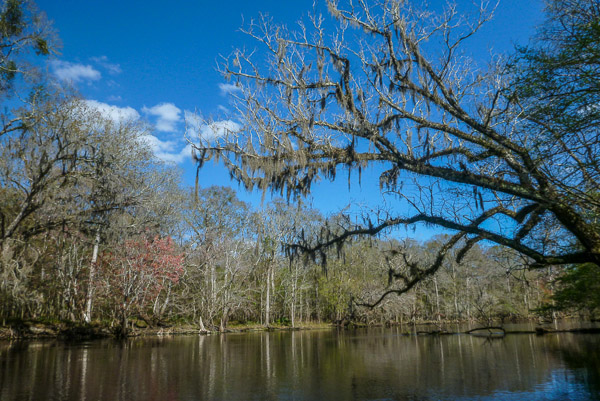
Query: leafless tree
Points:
[391, 86]
[218, 265]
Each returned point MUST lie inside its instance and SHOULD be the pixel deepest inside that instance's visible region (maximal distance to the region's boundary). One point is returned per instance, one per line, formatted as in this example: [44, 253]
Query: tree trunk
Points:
[201, 324]
[224, 318]
[468, 301]
[87, 317]
[268, 297]
[122, 329]
[455, 285]
[437, 300]
[293, 308]
[301, 308]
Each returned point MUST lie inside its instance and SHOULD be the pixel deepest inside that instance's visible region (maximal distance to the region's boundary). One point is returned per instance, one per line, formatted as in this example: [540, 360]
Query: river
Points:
[364, 364]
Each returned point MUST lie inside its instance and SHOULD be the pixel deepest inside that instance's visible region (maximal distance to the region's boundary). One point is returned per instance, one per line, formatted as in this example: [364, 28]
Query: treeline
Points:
[95, 229]
[109, 237]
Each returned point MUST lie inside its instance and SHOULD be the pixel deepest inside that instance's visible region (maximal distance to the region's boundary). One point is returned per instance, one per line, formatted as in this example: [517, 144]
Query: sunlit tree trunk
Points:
[301, 307]
[437, 300]
[293, 306]
[201, 324]
[468, 301]
[268, 295]
[87, 317]
[455, 292]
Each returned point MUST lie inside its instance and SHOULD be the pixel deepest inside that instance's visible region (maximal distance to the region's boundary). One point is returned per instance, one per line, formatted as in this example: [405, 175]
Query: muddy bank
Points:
[77, 331]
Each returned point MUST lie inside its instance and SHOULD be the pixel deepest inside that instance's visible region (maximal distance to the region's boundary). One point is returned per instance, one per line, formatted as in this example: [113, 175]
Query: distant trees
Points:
[487, 152]
[235, 261]
[260, 284]
[277, 225]
[230, 259]
[218, 256]
[71, 180]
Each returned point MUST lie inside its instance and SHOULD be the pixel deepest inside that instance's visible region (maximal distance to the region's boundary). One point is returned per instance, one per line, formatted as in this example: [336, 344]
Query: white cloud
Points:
[218, 129]
[167, 116]
[167, 150]
[115, 113]
[210, 131]
[183, 155]
[192, 120]
[227, 89]
[66, 71]
[112, 68]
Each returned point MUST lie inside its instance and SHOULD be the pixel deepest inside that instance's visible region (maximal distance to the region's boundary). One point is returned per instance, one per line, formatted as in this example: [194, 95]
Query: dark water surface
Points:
[374, 364]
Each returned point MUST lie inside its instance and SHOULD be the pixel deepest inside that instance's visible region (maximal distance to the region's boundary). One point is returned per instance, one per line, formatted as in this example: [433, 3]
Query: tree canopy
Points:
[22, 30]
[578, 288]
[506, 153]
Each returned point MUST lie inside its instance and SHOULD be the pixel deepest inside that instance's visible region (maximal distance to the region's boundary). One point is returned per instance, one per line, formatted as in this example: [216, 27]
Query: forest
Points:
[96, 231]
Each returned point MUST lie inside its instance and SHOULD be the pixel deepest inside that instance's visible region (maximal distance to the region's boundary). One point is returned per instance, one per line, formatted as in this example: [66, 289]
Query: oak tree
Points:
[474, 149]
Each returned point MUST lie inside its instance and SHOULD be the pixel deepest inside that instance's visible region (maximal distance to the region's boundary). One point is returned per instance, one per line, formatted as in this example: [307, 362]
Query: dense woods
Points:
[94, 229]
[226, 264]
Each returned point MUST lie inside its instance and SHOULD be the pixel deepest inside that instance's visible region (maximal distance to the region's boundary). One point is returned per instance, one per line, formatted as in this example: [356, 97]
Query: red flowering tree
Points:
[140, 276]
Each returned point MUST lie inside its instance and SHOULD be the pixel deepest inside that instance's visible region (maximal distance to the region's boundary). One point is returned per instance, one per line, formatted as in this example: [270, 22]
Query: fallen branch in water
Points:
[491, 330]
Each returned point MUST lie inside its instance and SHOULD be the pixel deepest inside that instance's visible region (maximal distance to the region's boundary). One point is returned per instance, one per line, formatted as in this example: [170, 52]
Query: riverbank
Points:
[79, 331]
[25, 330]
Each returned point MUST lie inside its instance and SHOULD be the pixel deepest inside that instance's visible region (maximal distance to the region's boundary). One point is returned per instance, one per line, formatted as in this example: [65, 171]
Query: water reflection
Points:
[375, 364]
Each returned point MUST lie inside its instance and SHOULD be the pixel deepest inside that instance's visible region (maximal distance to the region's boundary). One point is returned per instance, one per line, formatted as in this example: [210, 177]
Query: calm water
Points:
[374, 364]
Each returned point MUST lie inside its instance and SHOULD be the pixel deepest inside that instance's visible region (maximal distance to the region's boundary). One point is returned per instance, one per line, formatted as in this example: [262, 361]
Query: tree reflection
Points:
[305, 365]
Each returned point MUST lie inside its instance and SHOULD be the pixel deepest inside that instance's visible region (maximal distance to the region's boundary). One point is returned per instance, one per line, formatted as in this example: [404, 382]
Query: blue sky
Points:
[156, 61]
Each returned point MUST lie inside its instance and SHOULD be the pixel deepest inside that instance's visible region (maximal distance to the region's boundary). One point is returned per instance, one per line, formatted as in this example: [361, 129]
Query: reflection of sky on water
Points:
[562, 385]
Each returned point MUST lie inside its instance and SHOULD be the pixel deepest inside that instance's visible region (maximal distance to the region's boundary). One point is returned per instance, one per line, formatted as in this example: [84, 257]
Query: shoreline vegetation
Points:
[70, 331]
